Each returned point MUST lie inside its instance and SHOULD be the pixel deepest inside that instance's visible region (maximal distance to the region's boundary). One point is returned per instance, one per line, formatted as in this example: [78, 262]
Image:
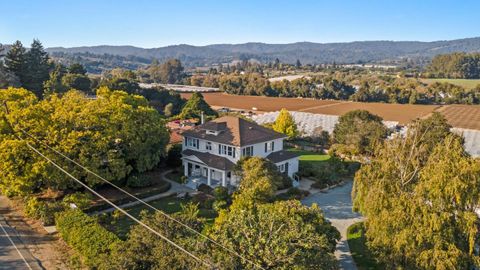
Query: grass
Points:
[310, 156]
[121, 225]
[362, 256]
[466, 83]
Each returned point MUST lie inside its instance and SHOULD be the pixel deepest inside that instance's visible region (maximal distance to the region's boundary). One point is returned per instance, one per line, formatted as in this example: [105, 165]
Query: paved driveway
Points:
[337, 207]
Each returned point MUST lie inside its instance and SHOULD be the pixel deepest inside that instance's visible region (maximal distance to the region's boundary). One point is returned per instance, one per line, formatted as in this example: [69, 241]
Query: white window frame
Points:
[208, 146]
[247, 151]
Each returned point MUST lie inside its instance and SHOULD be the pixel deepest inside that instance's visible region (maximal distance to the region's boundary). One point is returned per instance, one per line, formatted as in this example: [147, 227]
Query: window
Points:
[281, 167]
[247, 151]
[192, 142]
[269, 146]
[208, 146]
[226, 150]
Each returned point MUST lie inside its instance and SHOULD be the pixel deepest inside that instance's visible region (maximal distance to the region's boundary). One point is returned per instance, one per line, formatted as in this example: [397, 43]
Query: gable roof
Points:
[233, 131]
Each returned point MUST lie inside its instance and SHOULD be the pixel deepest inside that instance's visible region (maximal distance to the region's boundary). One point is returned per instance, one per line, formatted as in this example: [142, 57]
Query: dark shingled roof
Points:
[210, 160]
[233, 131]
[281, 156]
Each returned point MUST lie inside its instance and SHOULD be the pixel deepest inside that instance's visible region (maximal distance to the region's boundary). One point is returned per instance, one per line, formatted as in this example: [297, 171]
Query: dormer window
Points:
[212, 132]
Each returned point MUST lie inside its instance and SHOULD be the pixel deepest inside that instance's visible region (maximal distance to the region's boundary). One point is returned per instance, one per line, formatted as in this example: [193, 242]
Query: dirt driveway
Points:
[337, 207]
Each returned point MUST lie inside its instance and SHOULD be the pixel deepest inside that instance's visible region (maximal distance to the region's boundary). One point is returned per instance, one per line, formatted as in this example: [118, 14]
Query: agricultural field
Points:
[466, 83]
[462, 116]
[402, 113]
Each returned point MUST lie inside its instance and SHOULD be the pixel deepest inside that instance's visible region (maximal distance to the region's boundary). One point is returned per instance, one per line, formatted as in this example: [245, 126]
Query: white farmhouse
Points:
[211, 150]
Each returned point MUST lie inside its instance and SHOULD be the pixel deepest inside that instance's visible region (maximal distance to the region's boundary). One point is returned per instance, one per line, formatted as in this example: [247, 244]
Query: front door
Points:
[189, 168]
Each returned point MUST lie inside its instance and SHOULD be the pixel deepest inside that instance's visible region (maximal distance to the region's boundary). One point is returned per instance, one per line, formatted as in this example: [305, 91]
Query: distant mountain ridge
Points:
[306, 52]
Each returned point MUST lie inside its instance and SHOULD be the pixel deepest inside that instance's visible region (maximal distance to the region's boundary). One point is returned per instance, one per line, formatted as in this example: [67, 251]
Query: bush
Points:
[204, 200]
[174, 156]
[293, 194]
[221, 194]
[219, 205]
[205, 189]
[42, 210]
[86, 236]
[81, 200]
[138, 181]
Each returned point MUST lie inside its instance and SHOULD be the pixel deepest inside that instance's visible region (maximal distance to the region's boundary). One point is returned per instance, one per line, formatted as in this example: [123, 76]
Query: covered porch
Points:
[199, 173]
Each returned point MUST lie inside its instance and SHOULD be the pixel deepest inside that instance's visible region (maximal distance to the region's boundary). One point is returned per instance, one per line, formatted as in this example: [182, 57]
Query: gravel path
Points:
[337, 207]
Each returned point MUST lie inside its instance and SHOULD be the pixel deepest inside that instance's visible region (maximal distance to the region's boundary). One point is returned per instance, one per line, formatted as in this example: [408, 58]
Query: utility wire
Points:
[145, 203]
[209, 265]
[123, 211]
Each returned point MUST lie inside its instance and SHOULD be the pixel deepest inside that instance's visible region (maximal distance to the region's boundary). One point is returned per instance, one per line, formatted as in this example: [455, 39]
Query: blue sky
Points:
[159, 23]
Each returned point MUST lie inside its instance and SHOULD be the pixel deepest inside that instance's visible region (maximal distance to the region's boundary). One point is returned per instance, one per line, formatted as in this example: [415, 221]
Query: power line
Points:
[144, 202]
[15, 246]
[123, 211]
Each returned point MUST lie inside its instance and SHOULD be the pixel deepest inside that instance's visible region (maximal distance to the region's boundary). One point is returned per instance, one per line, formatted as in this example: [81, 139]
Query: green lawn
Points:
[309, 155]
[121, 226]
[466, 83]
[361, 254]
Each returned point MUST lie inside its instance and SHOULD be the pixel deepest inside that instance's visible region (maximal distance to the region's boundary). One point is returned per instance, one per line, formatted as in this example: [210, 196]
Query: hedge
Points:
[86, 236]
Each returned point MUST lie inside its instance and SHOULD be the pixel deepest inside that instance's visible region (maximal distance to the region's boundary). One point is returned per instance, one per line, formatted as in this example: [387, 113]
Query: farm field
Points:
[263, 104]
[462, 116]
[466, 83]
[402, 113]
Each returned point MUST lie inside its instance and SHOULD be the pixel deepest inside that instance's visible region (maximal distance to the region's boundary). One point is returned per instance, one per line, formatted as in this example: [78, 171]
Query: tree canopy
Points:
[195, 106]
[359, 130]
[419, 195]
[114, 135]
[285, 123]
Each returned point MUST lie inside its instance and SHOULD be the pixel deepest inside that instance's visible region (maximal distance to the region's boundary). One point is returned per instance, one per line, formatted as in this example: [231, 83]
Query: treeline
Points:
[343, 87]
[458, 65]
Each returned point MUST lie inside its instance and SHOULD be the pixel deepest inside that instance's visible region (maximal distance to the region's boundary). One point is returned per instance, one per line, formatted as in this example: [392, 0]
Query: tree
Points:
[424, 185]
[195, 106]
[285, 124]
[54, 84]
[38, 68]
[279, 235]
[78, 82]
[360, 130]
[16, 62]
[169, 72]
[77, 68]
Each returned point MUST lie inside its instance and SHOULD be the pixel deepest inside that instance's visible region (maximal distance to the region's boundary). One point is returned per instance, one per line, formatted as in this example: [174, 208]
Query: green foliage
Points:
[144, 250]
[77, 81]
[423, 185]
[174, 155]
[279, 235]
[360, 130]
[195, 106]
[82, 200]
[114, 135]
[357, 242]
[42, 210]
[82, 232]
[138, 181]
[457, 65]
[285, 124]
[171, 71]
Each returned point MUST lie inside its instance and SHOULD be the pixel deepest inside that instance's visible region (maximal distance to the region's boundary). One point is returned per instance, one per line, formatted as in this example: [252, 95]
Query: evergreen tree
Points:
[15, 61]
[195, 106]
[54, 83]
[38, 68]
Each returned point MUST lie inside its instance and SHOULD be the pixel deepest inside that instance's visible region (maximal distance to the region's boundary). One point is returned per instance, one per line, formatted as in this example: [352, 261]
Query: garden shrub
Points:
[86, 236]
[42, 210]
[205, 189]
[138, 181]
[221, 194]
[80, 199]
[203, 200]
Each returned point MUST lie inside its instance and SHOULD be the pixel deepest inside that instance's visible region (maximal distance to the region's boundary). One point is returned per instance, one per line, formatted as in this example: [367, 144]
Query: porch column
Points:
[224, 179]
[185, 168]
[209, 177]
